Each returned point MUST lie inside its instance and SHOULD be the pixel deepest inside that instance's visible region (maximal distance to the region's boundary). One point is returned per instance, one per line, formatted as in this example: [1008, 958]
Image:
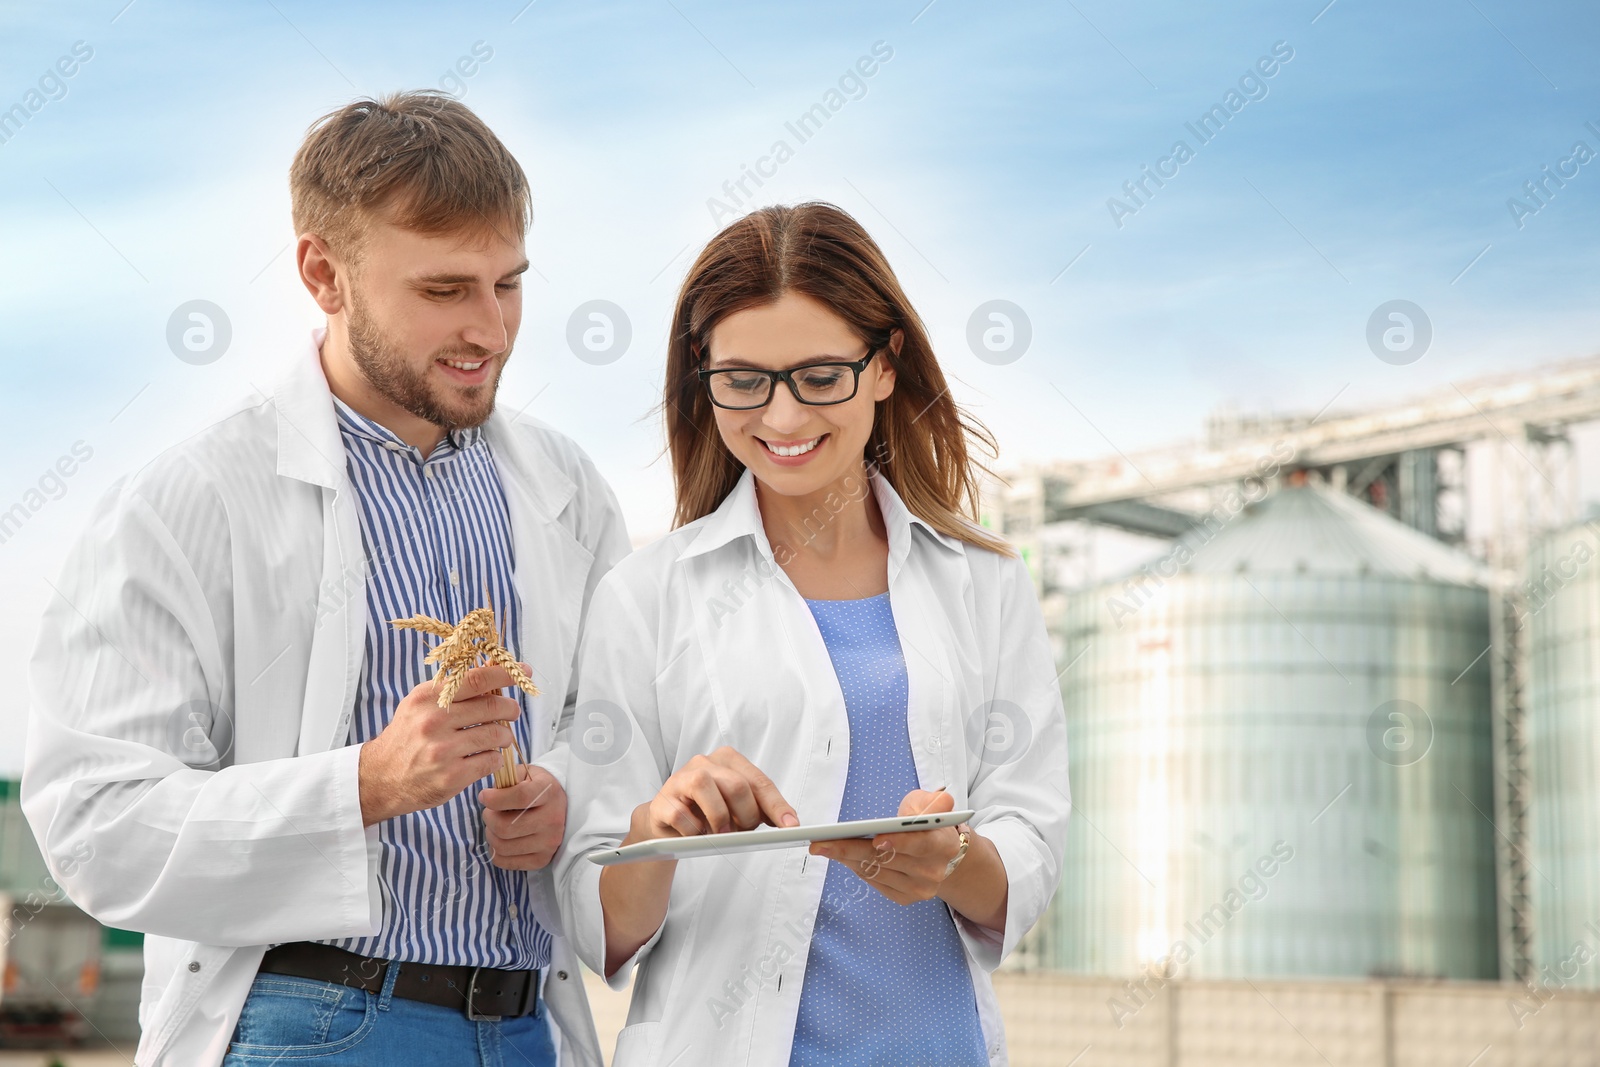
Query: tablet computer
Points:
[768, 837]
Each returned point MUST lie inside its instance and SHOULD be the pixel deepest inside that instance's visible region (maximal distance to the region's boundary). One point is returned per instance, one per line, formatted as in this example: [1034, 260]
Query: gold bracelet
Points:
[961, 853]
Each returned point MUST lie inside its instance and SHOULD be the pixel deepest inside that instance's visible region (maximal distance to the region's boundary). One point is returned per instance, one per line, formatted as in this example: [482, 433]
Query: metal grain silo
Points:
[1563, 731]
[1281, 759]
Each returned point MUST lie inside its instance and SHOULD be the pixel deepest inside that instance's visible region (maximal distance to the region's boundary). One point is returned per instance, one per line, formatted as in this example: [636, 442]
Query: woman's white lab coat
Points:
[188, 772]
[700, 641]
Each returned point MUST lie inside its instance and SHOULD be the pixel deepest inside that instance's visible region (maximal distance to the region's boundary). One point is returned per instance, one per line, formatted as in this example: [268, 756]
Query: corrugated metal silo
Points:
[1563, 602]
[1281, 755]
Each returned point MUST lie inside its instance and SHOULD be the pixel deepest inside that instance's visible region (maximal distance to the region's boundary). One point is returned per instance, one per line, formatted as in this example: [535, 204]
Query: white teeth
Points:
[462, 366]
[792, 450]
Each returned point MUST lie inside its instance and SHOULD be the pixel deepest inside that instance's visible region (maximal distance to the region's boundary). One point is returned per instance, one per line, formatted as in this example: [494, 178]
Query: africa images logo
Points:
[1252, 87]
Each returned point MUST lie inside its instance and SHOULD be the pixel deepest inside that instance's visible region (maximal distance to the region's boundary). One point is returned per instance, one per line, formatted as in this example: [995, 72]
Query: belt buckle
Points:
[472, 991]
[529, 1001]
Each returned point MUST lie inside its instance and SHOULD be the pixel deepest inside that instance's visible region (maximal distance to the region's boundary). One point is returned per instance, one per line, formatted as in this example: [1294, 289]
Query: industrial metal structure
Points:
[1408, 460]
[1248, 721]
[1399, 459]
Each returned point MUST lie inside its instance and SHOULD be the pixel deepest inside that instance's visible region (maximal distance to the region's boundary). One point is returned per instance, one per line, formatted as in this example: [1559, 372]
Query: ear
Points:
[323, 273]
[886, 373]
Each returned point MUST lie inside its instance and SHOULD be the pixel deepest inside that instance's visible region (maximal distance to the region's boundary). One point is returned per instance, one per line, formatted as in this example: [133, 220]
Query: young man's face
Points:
[432, 319]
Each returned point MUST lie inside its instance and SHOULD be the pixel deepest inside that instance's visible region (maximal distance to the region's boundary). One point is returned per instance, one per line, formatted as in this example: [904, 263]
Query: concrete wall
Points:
[1055, 1020]
[1052, 1018]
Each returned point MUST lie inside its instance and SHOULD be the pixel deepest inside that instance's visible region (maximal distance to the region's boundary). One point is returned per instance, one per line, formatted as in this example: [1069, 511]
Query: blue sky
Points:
[982, 154]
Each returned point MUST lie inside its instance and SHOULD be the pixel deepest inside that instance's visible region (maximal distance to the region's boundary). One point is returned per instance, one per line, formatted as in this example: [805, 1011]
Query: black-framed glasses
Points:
[817, 384]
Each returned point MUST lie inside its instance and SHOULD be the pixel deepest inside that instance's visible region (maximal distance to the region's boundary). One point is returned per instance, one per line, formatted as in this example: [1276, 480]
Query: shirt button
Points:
[392, 446]
[513, 911]
[455, 576]
[427, 472]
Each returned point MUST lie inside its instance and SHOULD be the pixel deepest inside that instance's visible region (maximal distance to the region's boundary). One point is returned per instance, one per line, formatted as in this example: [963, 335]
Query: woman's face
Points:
[797, 449]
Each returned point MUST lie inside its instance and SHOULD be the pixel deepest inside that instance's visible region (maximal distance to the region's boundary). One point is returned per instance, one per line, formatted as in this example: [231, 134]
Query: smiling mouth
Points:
[792, 449]
[462, 364]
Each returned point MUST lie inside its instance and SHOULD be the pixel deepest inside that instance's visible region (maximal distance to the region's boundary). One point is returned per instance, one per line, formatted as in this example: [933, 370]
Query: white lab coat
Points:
[193, 685]
[701, 640]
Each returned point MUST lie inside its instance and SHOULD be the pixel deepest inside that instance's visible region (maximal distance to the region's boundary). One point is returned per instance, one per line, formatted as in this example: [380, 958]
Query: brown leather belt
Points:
[483, 993]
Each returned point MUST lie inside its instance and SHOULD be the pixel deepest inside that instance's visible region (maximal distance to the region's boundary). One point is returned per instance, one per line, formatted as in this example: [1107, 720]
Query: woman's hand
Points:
[712, 795]
[907, 867]
[915, 866]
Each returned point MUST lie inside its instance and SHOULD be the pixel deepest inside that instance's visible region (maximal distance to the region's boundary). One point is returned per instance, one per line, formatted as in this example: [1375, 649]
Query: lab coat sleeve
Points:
[128, 780]
[618, 759]
[1019, 788]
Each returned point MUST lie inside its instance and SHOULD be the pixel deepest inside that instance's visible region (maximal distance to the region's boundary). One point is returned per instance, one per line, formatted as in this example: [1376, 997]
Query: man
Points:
[231, 749]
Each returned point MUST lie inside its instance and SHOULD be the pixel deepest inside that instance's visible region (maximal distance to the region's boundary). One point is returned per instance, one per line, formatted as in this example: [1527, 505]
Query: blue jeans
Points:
[289, 1020]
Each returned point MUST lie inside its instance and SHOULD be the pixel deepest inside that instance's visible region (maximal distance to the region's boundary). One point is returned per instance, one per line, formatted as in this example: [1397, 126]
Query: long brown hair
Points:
[919, 436]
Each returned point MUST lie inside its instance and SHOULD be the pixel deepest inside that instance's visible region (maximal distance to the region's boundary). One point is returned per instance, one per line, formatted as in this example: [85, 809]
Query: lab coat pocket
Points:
[636, 1045]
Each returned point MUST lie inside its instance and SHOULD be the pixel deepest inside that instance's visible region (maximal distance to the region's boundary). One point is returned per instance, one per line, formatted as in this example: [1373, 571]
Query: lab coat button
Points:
[561, 975]
[194, 966]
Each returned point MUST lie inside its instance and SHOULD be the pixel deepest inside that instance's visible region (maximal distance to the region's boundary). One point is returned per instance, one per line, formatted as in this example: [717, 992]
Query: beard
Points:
[383, 363]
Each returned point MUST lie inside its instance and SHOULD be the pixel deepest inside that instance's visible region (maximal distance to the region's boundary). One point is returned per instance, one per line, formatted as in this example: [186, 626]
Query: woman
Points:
[826, 636]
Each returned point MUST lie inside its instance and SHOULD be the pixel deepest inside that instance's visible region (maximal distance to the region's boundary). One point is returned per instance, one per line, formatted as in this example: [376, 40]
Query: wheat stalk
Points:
[476, 637]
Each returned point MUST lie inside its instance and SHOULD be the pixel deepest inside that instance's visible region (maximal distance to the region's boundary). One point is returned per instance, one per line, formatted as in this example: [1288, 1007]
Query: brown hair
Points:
[420, 159]
[919, 436]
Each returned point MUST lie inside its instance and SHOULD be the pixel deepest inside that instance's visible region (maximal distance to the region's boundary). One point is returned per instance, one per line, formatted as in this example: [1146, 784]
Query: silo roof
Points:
[1314, 530]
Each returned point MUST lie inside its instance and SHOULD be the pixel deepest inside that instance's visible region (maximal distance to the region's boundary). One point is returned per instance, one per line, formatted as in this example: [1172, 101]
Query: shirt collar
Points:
[897, 516]
[310, 444]
[308, 431]
[739, 515]
[353, 422]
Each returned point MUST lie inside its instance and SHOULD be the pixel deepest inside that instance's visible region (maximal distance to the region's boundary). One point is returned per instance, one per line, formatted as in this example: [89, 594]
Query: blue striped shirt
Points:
[436, 531]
